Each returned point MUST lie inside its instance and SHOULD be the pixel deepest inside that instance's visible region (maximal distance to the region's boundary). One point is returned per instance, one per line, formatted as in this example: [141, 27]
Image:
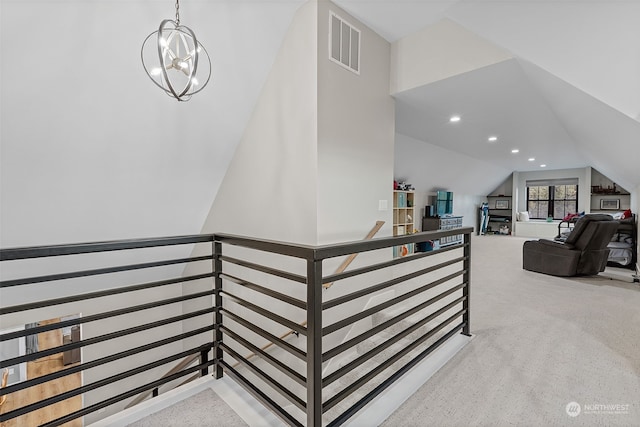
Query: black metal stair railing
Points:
[230, 298]
[119, 359]
[292, 378]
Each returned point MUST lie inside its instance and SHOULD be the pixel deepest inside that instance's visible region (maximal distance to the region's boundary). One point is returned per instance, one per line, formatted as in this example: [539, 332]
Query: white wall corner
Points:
[356, 124]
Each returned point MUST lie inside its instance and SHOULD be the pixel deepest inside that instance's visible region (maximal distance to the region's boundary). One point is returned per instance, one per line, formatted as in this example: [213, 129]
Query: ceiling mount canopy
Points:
[174, 59]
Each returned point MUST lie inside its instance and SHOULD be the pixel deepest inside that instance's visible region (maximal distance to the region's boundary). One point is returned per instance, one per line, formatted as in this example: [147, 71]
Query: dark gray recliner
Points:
[583, 253]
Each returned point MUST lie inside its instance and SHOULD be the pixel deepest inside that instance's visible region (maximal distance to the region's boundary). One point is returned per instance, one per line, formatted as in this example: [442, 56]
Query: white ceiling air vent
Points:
[344, 43]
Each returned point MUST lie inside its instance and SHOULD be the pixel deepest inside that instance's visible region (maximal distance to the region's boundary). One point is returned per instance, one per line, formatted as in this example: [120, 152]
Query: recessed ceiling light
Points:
[531, 159]
[493, 138]
[515, 150]
[543, 166]
[454, 119]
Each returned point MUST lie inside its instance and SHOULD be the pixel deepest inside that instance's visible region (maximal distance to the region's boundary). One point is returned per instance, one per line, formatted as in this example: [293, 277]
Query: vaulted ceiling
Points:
[569, 98]
[92, 150]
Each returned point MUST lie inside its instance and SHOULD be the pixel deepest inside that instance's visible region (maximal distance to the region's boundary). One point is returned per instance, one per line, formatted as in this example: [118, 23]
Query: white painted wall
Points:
[439, 51]
[90, 148]
[269, 190]
[355, 137]
[430, 167]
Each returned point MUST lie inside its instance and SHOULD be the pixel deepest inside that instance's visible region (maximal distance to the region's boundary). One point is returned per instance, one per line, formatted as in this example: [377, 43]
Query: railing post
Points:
[217, 335]
[204, 358]
[314, 343]
[466, 291]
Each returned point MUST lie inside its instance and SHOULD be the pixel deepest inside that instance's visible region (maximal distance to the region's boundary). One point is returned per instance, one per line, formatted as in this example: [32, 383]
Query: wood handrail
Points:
[180, 366]
[5, 378]
[341, 268]
[351, 257]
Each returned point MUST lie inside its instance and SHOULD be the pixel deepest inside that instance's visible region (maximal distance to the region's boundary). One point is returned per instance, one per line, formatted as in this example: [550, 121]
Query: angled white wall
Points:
[269, 190]
[90, 148]
[593, 45]
[439, 51]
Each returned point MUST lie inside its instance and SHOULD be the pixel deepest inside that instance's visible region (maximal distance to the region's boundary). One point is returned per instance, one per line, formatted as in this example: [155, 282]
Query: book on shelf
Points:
[402, 200]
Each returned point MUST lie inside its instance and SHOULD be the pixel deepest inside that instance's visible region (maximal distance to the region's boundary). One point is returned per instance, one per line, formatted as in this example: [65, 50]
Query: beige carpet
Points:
[203, 409]
[540, 343]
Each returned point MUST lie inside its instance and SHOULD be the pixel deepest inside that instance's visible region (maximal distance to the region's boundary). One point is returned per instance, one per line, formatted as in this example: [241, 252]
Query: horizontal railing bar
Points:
[104, 360]
[390, 263]
[100, 294]
[98, 271]
[125, 395]
[371, 289]
[114, 245]
[265, 291]
[264, 269]
[281, 248]
[346, 345]
[373, 331]
[285, 392]
[101, 383]
[101, 338]
[392, 379]
[340, 249]
[260, 396]
[274, 362]
[266, 313]
[185, 362]
[101, 316]
[368, 355]
[266, 335]
[363, 379]
[368, 312]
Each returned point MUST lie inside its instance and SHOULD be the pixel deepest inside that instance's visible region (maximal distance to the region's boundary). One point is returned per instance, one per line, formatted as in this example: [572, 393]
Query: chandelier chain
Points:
[177, 12]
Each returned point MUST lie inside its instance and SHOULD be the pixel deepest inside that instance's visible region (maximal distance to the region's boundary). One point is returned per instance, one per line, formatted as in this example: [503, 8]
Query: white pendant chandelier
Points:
[177, 61]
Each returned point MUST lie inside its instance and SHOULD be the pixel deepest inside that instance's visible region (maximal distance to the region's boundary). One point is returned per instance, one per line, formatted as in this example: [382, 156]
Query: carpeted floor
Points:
[543, 347]
[203, 409]
[540, 343]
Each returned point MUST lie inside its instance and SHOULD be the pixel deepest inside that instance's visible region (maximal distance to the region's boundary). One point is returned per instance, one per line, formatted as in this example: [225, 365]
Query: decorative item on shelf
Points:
[502, 204]
[598, 189]
[178, 53]
[403, 186]
[610, 204]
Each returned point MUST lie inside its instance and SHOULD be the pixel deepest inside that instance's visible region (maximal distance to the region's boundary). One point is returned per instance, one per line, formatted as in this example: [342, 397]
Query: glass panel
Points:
[572, 192]
[571, 207]
[533, 193]
[533, 207]
[346, 41]
[558, 210]
[355, 37]
[543, 209]
[560, 192]
[543, 193]
[335, 38]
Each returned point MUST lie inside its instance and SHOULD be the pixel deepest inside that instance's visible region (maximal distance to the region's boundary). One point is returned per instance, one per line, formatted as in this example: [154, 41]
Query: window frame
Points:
[551, 200]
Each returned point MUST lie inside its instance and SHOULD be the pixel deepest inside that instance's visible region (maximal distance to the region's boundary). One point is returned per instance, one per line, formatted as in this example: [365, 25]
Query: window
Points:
[552, 198]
